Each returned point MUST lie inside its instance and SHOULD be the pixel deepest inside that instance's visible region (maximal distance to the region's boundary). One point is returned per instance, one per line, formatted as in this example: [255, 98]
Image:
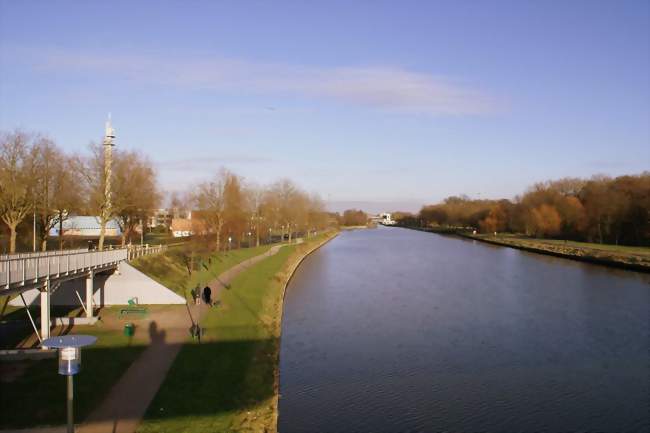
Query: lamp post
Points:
[69, 347]
[34, 231]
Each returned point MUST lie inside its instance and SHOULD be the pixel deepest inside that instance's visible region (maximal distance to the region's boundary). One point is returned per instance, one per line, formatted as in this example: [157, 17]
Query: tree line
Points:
[40, 180]
[600, 209]
[353, 217]
[231, 210]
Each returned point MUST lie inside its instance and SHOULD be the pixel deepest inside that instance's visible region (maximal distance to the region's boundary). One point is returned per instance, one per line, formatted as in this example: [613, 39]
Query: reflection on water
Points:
[396, 330]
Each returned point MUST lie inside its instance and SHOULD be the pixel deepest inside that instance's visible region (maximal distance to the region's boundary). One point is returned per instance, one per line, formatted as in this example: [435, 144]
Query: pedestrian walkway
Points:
[128, 400]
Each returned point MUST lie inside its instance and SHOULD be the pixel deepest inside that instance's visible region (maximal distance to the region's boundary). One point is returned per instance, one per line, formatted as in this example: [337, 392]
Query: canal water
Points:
[394, 330]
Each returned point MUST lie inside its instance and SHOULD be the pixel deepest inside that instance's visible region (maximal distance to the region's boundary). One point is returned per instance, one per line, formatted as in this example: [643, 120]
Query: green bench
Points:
[134, 310]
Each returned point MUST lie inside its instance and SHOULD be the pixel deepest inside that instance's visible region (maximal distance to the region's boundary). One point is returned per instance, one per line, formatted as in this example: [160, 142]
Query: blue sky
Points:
[389, 104]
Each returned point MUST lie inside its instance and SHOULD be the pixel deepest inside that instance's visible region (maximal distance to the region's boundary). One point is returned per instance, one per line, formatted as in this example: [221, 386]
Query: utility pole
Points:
[107, 210]
[34, 230]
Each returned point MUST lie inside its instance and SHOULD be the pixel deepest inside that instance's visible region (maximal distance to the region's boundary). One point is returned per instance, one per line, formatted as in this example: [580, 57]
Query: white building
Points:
[387, 220]
[86, 226]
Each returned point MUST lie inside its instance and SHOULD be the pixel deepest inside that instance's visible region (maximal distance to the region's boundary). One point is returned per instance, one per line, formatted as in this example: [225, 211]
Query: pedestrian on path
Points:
[196, 295]
[207, 295]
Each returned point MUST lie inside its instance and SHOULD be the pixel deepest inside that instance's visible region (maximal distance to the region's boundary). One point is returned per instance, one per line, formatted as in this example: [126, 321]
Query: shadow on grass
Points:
[37, 397]
[16, 327]
[211, 378]
[205, 379]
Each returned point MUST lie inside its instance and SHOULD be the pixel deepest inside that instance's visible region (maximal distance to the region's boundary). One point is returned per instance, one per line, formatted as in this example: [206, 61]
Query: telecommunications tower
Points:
[106, 211]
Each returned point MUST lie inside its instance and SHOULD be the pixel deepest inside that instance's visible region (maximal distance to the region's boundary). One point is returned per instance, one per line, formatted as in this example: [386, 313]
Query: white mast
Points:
[106, 211]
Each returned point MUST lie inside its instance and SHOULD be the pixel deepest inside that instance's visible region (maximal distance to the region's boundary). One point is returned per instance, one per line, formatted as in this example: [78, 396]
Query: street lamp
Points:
[69, 363]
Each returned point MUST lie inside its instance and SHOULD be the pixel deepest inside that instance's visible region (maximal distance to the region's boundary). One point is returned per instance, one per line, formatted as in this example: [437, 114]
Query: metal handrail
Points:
[33, 268]
[41, 254]
[23, 271]
[136, 251]
[65, 253]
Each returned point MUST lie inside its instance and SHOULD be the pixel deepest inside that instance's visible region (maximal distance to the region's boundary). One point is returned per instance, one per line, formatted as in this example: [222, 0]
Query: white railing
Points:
[136, 251]
[41, 254]
[21, 271]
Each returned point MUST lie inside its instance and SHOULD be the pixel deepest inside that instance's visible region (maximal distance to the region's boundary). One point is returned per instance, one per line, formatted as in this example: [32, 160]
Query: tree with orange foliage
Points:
[546, 220]
[495, 221]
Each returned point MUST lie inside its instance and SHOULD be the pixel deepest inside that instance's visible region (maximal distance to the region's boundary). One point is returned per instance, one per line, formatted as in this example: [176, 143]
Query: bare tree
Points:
[68, 193]
[95, 176]
[135, 191]
[286, 194]
[16, 186]
[56, 192]
[236, 218]
[210, 199]
[255, 201]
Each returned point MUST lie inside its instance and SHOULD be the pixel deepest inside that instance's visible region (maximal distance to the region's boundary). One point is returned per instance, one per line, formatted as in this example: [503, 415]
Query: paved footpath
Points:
[126, 403]
[128, 400]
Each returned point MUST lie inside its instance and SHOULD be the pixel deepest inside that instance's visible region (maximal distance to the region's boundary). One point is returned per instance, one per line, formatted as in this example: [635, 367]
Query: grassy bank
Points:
[228, 382]
[170, 270]
[39, 391]
[635, 258]
[619, 256]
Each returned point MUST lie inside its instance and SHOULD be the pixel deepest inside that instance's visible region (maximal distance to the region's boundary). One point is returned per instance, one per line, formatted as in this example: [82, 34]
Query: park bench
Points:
[133, 309]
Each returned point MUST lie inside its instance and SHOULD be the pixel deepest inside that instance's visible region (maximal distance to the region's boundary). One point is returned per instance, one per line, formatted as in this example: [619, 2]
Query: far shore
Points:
[354, 227]
[616, 256]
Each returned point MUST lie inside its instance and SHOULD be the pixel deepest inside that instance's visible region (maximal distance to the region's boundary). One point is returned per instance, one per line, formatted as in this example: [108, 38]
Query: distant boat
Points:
[386, 219]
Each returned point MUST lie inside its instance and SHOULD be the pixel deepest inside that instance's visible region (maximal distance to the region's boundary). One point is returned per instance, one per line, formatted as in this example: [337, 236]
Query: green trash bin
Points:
[129, 329]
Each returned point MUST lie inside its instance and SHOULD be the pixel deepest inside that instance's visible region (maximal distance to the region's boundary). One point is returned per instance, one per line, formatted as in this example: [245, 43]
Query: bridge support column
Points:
[45, 311]
[89, 294]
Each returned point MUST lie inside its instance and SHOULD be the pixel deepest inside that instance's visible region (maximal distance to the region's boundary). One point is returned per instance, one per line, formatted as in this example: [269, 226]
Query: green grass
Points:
[623, 249]
[170, 270]
[603, 247]
[37, 397]
[227, 382]
[636, 256]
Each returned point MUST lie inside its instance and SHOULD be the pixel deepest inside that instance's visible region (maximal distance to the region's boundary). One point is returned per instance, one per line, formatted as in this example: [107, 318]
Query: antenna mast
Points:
[107, 208]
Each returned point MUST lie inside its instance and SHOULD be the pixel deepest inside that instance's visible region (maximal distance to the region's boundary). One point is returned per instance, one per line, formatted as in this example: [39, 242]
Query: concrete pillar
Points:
[89, 294]
[45, 310]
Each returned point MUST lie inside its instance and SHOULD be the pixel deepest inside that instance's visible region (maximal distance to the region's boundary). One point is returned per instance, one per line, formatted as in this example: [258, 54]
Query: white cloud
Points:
[387, 88]
[209, 163]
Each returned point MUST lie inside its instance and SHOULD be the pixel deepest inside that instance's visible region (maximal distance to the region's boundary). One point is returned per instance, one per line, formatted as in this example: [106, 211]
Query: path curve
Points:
[126, 403]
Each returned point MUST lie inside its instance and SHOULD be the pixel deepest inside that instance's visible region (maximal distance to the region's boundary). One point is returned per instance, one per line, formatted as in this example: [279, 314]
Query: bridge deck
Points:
[26, 271]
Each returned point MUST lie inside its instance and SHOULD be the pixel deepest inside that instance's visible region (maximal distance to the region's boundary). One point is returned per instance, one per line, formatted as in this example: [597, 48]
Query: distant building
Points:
[86, 226]
[386, 219]
[161, 217]
[193, 224]
[181, 227]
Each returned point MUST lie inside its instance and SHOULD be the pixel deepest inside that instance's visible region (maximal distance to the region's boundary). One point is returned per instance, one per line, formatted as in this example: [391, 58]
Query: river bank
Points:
[636, 259]
[228, 381]
[292, 264]
[622, 257]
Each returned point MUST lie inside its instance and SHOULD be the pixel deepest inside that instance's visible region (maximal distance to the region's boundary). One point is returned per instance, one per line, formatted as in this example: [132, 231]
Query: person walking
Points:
[207, 295]
[196, 294]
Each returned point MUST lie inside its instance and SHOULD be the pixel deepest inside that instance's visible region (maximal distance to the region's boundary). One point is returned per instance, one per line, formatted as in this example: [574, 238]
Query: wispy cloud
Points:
[383, 87]
[200, 164]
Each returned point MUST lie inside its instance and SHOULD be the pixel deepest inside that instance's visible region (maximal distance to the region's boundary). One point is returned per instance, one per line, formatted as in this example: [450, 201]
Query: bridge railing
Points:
[136, 251]
[24, 270]
[41, 254]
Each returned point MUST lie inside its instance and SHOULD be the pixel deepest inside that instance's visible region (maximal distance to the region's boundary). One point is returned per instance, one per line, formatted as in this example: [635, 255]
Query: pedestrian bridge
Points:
[21, 272]
[45, 272]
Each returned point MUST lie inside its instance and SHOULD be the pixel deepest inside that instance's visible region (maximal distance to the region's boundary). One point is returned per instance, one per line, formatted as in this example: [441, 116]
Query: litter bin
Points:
[129, 329]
